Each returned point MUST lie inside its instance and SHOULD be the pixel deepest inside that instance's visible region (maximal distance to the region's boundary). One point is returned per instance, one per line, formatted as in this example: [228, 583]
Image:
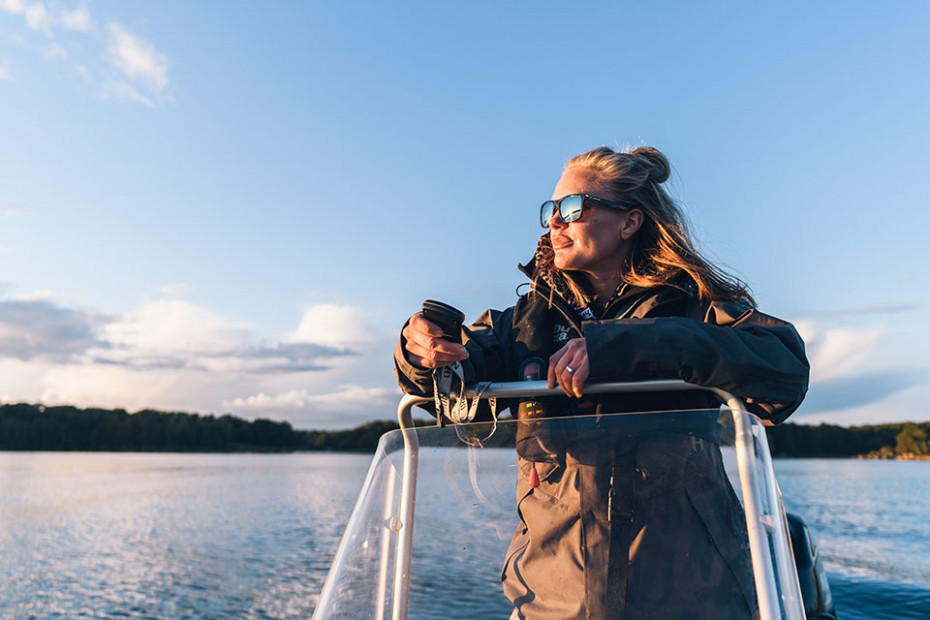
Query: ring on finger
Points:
[570, 369]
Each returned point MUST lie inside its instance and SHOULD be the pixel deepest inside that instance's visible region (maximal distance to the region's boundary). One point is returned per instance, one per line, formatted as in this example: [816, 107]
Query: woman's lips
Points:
[560, 242]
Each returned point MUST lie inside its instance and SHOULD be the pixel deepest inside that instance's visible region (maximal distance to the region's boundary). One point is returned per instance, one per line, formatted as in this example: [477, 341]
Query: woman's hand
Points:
[425, 347]
[569, 367]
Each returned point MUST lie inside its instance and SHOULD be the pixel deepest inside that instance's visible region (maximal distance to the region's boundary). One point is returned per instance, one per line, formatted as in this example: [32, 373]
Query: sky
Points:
[233, 207]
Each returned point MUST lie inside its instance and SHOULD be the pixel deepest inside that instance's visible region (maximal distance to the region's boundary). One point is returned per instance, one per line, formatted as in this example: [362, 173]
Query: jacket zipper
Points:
[623, 315]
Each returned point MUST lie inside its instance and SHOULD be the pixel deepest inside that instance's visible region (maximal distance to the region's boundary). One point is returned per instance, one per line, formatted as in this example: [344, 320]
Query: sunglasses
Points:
[570, 208]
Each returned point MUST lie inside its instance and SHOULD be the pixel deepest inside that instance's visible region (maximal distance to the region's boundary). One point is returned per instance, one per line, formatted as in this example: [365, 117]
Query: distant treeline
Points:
[37, 427]
[901, 440]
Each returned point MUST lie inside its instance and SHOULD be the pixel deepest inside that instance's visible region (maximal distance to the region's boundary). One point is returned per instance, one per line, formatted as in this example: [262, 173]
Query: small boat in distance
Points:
[437, 512]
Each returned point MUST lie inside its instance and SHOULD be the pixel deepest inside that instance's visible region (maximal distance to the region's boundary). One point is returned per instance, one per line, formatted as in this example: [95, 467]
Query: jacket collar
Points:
[549, 283]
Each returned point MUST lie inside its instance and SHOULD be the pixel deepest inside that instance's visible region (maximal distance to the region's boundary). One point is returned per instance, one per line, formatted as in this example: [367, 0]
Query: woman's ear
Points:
[632, 222]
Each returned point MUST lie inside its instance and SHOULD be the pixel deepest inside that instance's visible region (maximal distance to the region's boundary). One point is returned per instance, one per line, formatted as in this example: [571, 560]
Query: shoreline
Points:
[897, 457]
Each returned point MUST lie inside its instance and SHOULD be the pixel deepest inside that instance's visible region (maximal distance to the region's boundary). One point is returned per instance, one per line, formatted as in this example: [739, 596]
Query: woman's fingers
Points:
[578, 378]
[426, 357]
[425, 346]
[569, 367]
[556, 367]
[559, 363]
[552, 375]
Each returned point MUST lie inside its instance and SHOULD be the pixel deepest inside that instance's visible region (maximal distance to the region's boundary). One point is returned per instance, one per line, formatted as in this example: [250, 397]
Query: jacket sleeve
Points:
[752, 355]
[486, 341]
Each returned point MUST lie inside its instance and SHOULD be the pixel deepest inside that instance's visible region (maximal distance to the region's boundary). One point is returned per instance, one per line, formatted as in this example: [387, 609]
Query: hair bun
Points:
[654, 161]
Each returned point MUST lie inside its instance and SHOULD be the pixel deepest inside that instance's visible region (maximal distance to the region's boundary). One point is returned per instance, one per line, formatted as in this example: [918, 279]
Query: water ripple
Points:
[153, 536]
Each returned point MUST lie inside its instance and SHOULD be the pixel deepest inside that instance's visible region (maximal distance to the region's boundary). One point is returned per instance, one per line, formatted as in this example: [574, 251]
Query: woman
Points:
[618, 523]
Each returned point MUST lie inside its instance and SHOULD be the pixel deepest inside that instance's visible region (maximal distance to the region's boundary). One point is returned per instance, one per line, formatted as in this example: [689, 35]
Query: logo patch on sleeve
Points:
[561, 332]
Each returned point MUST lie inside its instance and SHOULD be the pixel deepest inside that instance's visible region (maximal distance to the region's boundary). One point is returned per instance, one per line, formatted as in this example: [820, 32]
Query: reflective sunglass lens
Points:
[546, 213]
[571, 208]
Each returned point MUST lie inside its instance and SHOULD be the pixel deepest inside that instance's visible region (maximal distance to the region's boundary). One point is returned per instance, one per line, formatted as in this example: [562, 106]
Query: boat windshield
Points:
[658, 512]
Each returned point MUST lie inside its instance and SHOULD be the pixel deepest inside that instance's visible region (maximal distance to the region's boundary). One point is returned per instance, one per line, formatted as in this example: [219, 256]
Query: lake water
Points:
[88, 535]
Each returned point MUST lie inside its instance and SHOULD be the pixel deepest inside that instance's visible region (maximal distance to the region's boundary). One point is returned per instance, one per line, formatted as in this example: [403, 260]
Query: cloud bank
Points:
[41, 330]
[333, 370]
[855, 376]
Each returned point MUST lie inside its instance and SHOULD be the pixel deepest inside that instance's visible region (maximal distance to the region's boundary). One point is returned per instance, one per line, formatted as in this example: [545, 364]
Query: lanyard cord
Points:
[457, 408]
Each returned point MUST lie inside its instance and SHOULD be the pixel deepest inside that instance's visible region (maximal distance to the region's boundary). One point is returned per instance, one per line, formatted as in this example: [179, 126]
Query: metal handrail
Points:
[757, 492]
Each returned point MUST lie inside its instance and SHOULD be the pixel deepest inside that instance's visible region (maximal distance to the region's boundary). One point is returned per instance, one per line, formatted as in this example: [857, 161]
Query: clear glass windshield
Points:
[553, 517]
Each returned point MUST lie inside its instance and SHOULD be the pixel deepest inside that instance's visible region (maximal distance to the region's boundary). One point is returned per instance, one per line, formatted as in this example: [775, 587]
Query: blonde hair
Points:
[662, 247]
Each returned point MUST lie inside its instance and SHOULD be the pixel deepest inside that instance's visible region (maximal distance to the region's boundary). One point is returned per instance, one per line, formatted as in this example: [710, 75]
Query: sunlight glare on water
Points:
[170, 535]
[253, 536]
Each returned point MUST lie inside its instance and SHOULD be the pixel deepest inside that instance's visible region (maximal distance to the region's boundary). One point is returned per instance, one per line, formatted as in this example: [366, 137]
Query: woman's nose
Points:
[556, 221]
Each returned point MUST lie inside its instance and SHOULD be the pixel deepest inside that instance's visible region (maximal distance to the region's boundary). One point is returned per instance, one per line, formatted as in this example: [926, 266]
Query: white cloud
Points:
[56, 52]
[136, 58]
[37, 17]
[141, 71]
[35, 328]
[179, 289]
[345, 407]
[836, 353]
[293, 399]
[111, 386]
[163, 334]
[176, 326]
[5, 74]
[37, 295]
[172, 354]
[113, 90]
[173, 333]
[346, 397]
[16, 7]
[911, 404]
[332, 371]
[78, 19]
[863, 368]
[335, 325]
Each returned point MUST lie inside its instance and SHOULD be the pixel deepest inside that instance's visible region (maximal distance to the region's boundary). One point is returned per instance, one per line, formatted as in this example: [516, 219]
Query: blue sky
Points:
[233, 207]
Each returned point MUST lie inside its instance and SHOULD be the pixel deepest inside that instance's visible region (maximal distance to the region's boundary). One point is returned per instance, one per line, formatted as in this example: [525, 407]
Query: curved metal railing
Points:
[776, 583]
